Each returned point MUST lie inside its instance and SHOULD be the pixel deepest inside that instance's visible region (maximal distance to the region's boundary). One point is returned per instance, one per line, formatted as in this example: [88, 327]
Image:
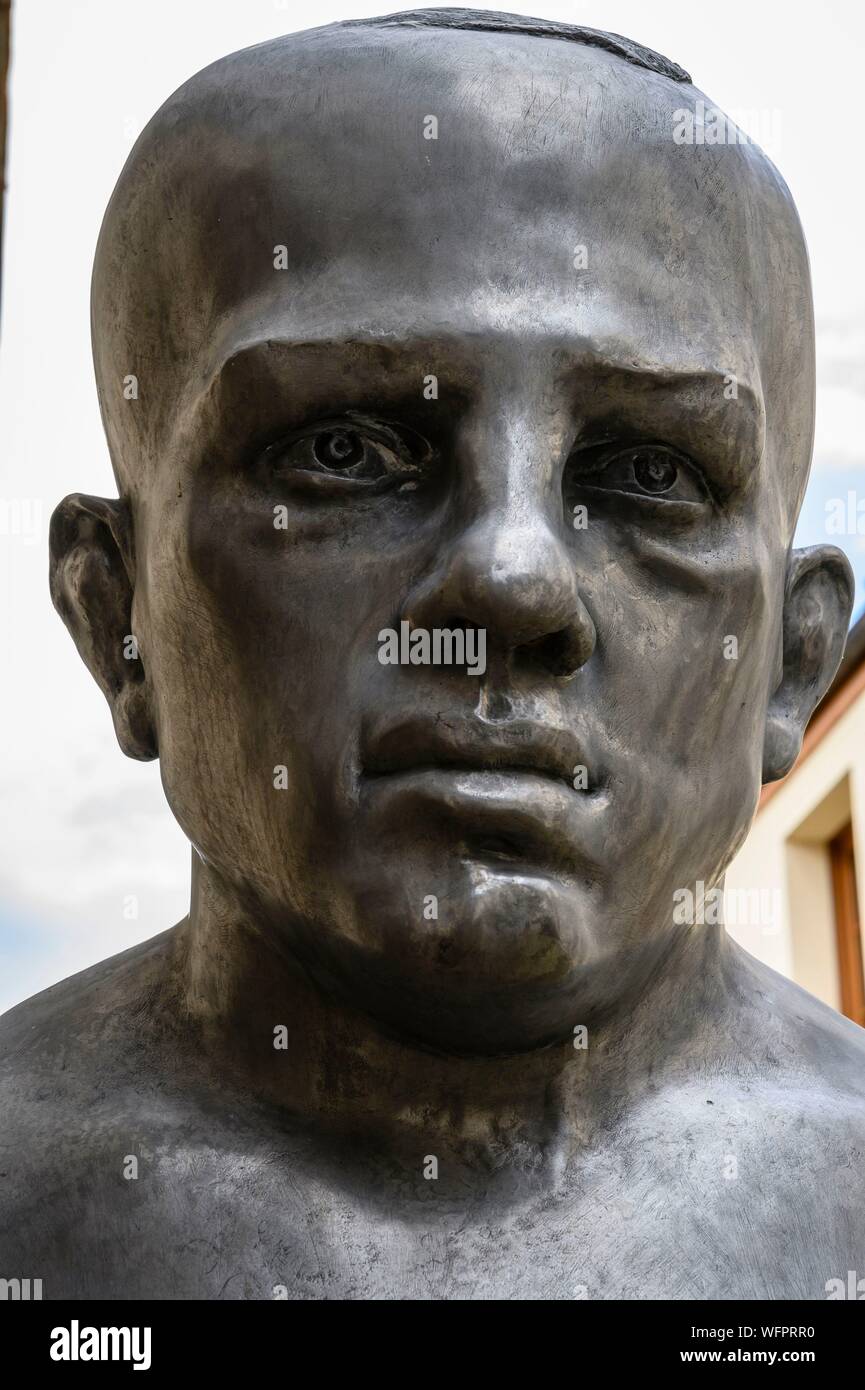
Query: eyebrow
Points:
[706, 386]
[644, 382]
[674, 373]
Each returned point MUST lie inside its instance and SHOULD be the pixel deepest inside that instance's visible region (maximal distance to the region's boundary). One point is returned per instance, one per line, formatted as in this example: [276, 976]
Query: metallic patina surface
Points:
[433, 321]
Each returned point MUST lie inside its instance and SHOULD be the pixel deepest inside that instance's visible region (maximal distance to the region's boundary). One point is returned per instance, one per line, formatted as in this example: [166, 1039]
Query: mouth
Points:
[459, 746]
[461, 768]
[514, 792]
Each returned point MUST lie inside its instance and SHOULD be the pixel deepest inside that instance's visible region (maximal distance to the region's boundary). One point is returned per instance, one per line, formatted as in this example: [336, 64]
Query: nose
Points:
[515, 578]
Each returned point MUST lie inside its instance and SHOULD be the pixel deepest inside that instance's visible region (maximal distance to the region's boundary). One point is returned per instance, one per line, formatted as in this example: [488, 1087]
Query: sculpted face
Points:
[298, 483]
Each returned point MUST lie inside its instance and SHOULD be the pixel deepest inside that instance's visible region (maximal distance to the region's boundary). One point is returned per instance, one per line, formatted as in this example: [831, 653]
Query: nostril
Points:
[551, 652]
[560, 653]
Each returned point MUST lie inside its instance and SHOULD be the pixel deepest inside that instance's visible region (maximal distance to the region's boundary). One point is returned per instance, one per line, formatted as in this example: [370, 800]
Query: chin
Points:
[501, 968]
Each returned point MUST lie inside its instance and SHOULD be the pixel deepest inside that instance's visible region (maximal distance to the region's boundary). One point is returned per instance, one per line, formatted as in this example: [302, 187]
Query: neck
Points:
[335, 1068]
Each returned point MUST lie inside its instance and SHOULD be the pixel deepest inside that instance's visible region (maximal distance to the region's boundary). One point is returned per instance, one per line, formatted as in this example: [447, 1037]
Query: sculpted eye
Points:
[347, 455]
[339, 449]
[652, 471]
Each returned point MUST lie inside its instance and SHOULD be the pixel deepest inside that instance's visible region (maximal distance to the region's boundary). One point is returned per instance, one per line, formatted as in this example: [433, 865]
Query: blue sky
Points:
[825, 485]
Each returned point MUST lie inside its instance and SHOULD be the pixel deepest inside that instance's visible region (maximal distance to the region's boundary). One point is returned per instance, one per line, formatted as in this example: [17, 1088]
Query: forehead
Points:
[542, 147]
[553, 207]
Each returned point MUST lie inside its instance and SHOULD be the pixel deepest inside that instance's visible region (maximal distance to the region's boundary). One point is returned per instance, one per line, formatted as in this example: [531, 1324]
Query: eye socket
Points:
[348, 454]
[655, 472]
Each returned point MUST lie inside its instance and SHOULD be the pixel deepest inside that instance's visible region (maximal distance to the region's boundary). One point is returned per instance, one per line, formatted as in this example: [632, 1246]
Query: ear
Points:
[92, 584]
[818, 601]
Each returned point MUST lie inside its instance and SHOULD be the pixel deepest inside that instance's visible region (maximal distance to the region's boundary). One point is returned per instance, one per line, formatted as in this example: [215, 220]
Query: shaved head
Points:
[315, 143]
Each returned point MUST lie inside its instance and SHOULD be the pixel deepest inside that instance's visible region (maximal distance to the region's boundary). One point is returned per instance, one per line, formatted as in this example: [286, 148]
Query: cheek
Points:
[692, 645]
[252, 702]
[214, 761]
[297, 605]
[685, 673]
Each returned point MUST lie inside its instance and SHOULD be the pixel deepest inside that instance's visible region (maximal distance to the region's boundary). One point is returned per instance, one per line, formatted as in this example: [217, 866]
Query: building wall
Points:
[785, 859]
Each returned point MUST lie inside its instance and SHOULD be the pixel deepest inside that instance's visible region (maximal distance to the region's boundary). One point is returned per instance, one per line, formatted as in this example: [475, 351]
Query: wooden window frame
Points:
[848, 934]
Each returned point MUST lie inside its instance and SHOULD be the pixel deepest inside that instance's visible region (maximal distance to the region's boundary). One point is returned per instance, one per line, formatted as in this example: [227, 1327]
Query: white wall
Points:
[783, 855]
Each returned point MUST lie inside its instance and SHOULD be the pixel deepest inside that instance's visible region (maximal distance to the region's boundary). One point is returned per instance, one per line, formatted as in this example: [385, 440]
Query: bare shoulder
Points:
[109, 1135]
[58, 1036]
[801, 1041]
[77, 1063]
[65, 1044]
[791, 1113]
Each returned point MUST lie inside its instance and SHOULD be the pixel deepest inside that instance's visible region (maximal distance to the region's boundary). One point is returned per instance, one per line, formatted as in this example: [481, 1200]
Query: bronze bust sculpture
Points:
[461, 416]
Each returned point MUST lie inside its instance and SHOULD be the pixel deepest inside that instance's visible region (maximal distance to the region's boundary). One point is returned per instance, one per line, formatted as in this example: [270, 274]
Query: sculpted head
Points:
[548, 375]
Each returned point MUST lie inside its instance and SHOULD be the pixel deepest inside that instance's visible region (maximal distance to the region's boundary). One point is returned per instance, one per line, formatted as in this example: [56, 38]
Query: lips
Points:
[456, 743]
[495, 792]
